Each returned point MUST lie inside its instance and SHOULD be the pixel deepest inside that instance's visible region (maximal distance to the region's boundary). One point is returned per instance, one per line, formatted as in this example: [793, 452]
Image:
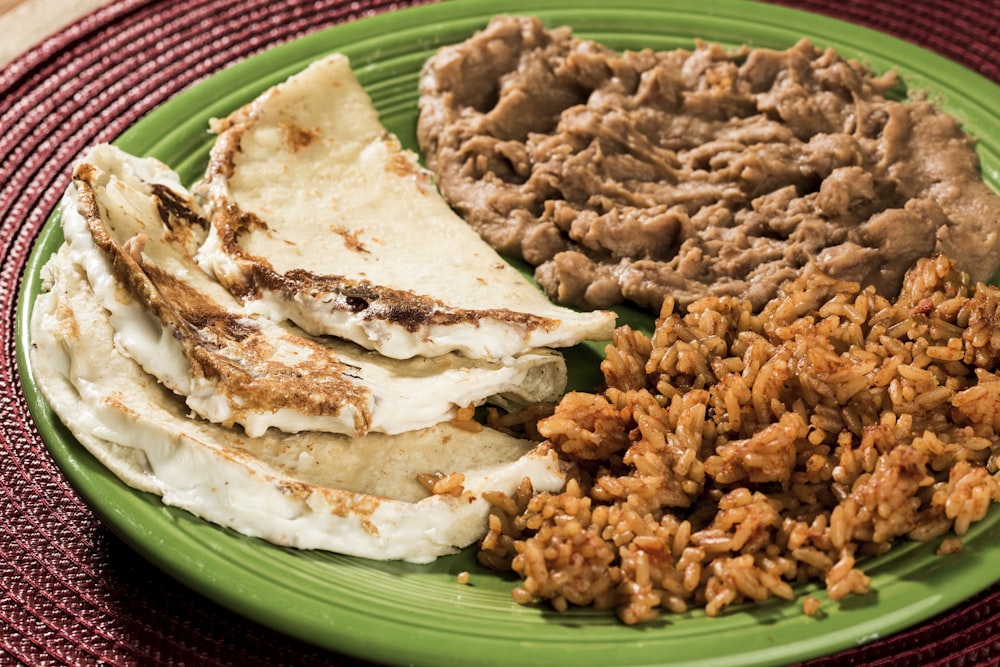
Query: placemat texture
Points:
[71, 592]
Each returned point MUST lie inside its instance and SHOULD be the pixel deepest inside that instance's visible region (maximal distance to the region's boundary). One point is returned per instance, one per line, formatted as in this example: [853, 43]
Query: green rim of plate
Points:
[400, 613]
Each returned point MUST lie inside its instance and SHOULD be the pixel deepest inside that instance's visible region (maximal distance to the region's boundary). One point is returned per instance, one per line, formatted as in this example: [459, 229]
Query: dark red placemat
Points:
[72, 593]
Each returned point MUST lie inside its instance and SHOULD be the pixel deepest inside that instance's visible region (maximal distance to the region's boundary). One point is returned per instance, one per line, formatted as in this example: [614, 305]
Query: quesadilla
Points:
[135, 229]
[320, 217]
[357, 496]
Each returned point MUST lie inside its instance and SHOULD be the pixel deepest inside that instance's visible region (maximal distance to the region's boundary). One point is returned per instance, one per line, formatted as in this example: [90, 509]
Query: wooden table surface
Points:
[25, 23]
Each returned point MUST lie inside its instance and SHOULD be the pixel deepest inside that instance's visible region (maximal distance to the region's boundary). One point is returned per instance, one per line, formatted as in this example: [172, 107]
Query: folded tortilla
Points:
[136, 230]
[321, 218]
[357, 496]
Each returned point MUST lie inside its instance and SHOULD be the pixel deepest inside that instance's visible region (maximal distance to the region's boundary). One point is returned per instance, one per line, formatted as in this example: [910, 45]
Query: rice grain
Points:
[732, 456]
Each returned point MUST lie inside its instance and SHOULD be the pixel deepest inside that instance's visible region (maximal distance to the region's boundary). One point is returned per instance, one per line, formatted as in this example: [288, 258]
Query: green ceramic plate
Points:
[406, 614]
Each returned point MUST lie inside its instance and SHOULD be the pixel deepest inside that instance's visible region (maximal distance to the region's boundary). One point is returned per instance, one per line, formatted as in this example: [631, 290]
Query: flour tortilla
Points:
[357, 496]
[320, 217]
[136, 230]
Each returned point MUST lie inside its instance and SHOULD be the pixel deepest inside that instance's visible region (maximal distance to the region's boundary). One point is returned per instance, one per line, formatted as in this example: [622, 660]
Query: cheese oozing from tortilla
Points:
[135, 230]
[356, 496]
[319, 216]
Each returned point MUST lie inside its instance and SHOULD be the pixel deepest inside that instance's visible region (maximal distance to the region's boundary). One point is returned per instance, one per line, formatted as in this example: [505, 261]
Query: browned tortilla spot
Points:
[402, 307]
[220, 345]
[298, 137]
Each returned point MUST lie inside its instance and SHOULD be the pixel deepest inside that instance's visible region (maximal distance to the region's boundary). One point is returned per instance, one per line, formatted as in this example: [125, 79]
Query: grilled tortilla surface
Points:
[135, 229]
[311, 490]
[320, 217]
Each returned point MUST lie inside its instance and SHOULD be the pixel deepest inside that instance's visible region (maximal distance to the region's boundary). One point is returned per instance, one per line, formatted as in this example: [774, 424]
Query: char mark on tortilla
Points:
[309, 490]
[337, 228]
[235, 368]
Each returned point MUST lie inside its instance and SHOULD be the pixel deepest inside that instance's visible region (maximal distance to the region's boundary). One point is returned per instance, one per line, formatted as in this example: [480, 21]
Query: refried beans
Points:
[631, 177]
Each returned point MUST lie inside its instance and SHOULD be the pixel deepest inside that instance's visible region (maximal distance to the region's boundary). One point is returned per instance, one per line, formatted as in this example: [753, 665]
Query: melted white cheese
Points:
[355, 496]
[403, 395]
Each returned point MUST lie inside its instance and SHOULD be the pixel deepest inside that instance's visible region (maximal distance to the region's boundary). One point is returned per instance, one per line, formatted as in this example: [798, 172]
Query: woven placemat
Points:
[72, 593]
